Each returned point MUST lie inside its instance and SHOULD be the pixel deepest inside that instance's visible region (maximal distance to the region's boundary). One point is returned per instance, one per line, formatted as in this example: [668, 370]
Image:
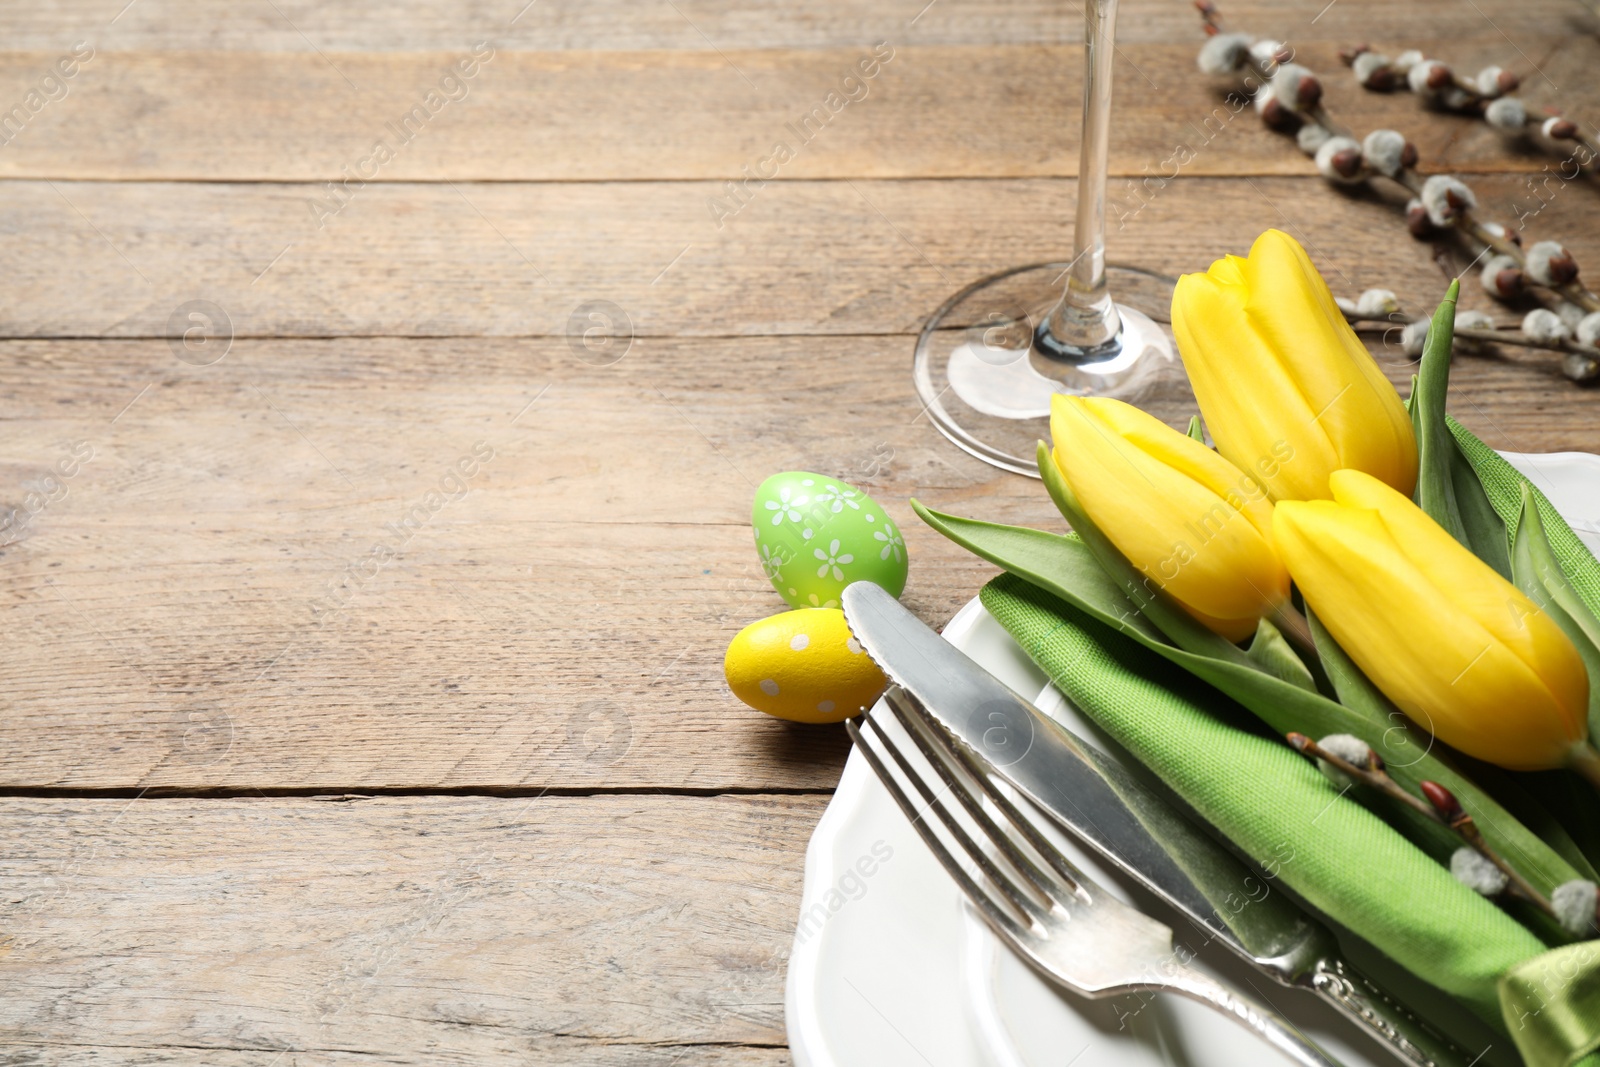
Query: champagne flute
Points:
[989, 360]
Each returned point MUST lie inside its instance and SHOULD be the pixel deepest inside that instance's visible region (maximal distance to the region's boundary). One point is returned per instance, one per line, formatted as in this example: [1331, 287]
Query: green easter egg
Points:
[817, 534]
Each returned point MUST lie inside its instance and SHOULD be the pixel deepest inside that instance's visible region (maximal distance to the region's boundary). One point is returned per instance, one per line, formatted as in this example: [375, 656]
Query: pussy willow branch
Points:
[1376, 777]
[1474, 101]
[1497, 337]
[1487, 238]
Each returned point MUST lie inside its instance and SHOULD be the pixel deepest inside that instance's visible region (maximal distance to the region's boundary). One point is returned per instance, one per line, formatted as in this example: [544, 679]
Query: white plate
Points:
[890, 967]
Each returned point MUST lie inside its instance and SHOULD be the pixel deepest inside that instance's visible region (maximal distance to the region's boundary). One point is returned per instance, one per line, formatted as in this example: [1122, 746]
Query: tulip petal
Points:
[1244, 395]
[1183, 536]
[1287, 390]
[1473, 588]
[1292, 308]
[1439, 665]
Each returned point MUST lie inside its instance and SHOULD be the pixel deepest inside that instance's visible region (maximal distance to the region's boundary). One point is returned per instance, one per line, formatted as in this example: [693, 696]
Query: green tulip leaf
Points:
[1536, 572]
[1435, 489]
[1272, 652]
[1484, 529]
[1505, 486]
[1197, 431]
[1070, 569]
[1177, 624]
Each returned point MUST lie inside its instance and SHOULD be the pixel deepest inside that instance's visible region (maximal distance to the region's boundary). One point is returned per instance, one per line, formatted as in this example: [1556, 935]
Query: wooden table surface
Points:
[319, 749]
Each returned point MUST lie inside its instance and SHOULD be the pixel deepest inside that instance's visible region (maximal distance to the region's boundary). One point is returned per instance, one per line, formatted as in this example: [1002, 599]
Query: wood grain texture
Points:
[689, 25]
[623, 931]
[929, 111]
[118, 259]
[201, 606]
[198, 607]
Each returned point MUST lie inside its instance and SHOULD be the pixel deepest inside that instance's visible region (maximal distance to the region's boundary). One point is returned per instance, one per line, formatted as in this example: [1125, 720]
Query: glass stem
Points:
[1084, 326]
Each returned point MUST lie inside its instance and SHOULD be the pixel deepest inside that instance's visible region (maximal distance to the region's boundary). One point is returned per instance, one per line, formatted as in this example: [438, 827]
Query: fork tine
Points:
[1030, 902]
[974, 765]
[940, 756]
[1000, 918]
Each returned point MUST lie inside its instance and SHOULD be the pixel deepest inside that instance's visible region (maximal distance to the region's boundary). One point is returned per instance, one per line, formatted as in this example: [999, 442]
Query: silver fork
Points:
[1048, 912]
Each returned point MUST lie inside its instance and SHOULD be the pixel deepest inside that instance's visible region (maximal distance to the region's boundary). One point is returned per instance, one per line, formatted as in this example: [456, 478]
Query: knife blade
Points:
[1100, 802]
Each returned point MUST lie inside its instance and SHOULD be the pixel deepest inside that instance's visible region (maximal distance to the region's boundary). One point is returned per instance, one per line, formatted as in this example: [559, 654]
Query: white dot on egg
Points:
[806, 534]
[853, 645]
[871, 518]
[825, 707]
[769, 687]
[799, 641]
[808, 481]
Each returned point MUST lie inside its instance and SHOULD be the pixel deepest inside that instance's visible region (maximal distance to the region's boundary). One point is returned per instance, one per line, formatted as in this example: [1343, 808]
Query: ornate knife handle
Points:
[1360, 999]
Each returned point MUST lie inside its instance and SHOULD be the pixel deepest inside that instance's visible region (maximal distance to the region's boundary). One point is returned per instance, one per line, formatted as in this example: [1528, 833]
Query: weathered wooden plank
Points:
[199, 604]
[427, 25]
[623, 931]
[354, 118]
[110, 259]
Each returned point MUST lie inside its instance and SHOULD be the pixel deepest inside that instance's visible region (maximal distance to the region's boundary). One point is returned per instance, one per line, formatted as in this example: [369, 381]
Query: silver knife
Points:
[1100, 802]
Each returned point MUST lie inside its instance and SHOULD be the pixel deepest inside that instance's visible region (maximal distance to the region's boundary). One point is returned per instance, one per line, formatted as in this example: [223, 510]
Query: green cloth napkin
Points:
[1270, 801]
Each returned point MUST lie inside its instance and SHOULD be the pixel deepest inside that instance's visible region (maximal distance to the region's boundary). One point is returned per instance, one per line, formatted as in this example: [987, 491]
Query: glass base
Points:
[987, 387]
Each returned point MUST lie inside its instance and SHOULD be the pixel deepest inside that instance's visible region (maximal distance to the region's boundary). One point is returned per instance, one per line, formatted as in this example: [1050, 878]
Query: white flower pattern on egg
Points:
[786, 508]
[893, 543]
[831, 560]
[836, 499]
[772, 563]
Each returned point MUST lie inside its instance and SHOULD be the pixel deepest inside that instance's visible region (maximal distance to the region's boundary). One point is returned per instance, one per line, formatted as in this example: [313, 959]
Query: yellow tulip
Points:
[1456, 647]
[1287, 390]
[1194, 524]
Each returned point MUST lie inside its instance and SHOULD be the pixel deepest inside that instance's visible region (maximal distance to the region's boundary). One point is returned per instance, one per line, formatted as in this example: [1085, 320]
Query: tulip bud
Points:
[1475, 872]
[1506, 113]
[1224, 53]
[1560, 129]
[1551, 264]
[1374, 72]
[1446, 197]
[1574, 904]
[1457, 647]
[1287, 389]
[1502, 277]
[1339, 160]
[1542, 324]
[1195, 525]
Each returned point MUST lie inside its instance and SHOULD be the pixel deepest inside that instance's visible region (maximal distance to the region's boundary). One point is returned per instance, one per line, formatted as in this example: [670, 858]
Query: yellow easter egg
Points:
[802, 665]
